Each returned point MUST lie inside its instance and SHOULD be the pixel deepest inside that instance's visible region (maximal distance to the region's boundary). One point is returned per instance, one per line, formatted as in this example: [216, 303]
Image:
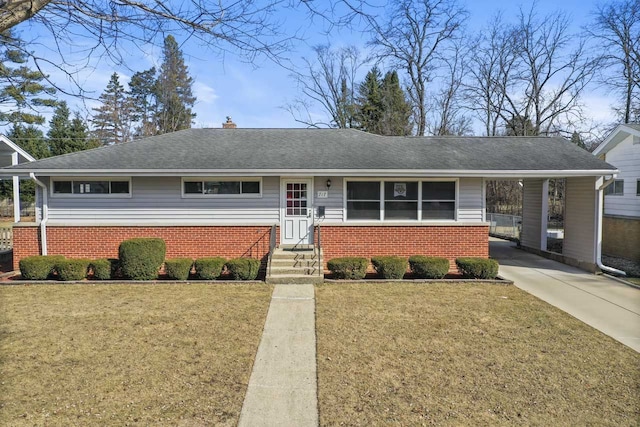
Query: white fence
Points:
[502, 225]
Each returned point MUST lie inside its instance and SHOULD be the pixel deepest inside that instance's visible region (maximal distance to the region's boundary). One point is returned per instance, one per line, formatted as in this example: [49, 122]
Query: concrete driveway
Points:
[599, 301]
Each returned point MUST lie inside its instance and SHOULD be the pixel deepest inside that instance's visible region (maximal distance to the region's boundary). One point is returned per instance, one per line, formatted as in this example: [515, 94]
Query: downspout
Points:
[599, 213]
[45, 213]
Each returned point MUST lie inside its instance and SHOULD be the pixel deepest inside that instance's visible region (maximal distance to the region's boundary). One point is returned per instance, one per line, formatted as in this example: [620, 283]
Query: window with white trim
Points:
[438, 200]
[221, 187]
[399, 200]
[363, 200]
[616, 188]
[90, 186]
[638, 187]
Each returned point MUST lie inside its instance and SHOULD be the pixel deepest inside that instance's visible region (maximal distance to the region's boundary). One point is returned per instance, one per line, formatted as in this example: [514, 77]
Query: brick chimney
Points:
[229, 124]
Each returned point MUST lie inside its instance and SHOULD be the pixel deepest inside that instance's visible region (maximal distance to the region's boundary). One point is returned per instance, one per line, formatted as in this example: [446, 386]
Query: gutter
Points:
[599, 212]
[45, 213]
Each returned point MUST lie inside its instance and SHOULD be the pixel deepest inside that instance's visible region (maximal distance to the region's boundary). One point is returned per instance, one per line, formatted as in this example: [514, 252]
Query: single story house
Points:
[239, 192]
[621, 221]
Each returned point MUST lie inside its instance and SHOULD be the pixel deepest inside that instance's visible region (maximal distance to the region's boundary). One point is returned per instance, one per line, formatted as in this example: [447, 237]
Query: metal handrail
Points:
[319, 249]
[272, 246]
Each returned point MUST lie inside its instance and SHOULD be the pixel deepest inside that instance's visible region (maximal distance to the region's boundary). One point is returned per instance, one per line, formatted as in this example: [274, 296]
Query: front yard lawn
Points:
[128, 354]
[423, 354]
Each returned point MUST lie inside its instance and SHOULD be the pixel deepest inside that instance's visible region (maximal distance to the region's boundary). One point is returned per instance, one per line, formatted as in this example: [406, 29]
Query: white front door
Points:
[297, 215]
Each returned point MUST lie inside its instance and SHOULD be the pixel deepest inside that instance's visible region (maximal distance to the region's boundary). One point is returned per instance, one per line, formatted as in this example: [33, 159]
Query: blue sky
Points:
[254, 94]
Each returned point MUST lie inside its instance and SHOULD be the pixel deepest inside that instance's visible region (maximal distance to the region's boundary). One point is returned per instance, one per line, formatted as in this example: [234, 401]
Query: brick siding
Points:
[103, 242]
[253, 241]
[442, 241]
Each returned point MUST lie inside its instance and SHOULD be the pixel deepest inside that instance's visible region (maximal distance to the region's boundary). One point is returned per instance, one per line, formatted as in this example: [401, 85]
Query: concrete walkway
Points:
[282, 389]
[599, 301]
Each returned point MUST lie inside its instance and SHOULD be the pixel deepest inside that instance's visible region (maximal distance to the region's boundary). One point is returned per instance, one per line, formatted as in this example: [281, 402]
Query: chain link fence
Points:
[505, 226]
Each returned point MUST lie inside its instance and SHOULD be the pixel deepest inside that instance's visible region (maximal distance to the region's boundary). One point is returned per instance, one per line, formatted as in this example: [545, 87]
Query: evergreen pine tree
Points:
[577, 139]
[31, 139]
[112, 121]
[64, 136]
[173, 90]
[370, 102]
[396, 111]
[22, 91]
[142, 95]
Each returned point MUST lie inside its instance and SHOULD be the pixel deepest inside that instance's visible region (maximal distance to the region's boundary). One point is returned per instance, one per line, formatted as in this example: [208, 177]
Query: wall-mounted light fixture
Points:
[328, 183]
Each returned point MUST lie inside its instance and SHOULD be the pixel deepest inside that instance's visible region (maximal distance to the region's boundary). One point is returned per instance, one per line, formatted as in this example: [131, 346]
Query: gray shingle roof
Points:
[323, 149]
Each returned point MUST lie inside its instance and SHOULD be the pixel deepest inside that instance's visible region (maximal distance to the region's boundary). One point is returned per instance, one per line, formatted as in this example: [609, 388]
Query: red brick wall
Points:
[253, 241]
[443, 241]
[103, 242]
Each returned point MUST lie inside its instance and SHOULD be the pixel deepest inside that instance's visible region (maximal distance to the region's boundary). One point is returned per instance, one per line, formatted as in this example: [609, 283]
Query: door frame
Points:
[283, 201]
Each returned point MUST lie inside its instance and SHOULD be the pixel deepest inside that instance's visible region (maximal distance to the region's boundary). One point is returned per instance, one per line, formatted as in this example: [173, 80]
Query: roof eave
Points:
[449, 173]
[612, 139]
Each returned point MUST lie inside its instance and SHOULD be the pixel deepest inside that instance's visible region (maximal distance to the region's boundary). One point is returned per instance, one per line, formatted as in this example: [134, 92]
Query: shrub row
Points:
[422, 267]
[139, 259]
[42, 267]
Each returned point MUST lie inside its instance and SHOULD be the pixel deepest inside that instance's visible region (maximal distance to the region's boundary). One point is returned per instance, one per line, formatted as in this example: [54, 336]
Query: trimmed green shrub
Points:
[348, 267]
[101, 268]
[390, 267]
[178, 268]
[72, 269]
[38, 267]
[243, 268]
[424, 267]
[209, 268]
[477, 268]
[141, 258]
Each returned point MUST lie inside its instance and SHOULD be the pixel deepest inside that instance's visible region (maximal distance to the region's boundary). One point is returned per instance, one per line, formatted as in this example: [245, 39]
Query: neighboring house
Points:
[621, 221]
[225, 191]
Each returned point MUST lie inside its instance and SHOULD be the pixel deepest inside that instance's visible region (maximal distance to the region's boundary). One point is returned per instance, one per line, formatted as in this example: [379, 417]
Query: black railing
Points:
[272, 245]
[318, 248]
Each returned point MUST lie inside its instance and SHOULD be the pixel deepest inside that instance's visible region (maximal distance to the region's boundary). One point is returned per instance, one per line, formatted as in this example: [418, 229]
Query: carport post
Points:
[16, 189]
[544, 215]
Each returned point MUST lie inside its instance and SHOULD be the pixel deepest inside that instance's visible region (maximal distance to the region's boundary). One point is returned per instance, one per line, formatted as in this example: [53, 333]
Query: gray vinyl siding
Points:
[333, 203]
[580, 220]
[159, 200]
[532, 213]
[470, 203]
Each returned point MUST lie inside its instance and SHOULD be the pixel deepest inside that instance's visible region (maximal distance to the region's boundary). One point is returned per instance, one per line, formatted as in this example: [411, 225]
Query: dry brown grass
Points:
[416, 354]
[82, 355]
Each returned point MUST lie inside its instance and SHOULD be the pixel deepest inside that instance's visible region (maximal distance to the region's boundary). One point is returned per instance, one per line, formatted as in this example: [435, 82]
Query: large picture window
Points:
[398, 200]
[221, 187]
[92, 186]
[363, 200]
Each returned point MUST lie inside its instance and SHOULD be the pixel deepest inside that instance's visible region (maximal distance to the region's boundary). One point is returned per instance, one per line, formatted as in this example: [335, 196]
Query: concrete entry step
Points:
[294, 279]
[289, 262]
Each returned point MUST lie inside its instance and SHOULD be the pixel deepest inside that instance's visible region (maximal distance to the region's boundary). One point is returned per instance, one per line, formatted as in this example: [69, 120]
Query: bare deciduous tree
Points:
[554, 67]
[617, 29]
[492, 64]
[328, 82]
[85, 30]
[446, 114]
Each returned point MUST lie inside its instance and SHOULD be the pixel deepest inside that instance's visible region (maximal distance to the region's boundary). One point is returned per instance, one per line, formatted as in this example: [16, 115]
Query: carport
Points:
[582, 217]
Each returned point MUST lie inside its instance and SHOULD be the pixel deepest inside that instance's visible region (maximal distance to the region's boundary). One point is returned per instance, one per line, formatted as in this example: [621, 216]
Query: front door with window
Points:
[297, 215]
